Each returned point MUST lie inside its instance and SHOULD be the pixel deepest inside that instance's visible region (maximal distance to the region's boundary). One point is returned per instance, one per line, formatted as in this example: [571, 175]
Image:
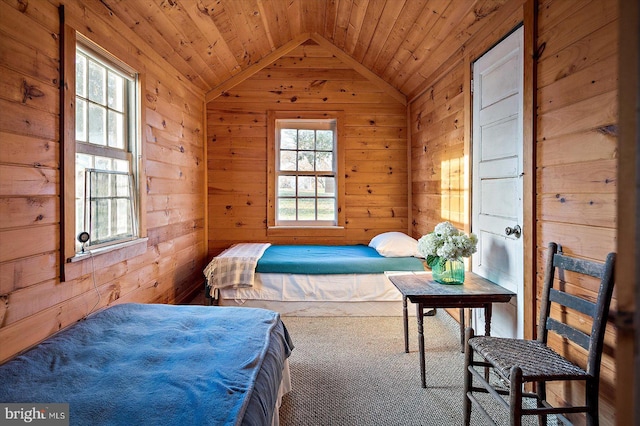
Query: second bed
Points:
[314, 280]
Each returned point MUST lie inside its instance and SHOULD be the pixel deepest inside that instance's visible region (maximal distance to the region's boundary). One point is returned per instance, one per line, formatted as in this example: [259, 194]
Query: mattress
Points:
[158, 364]
[319, 259]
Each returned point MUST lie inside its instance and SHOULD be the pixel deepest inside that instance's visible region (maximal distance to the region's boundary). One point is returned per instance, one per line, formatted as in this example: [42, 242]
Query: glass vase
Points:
[448, 271]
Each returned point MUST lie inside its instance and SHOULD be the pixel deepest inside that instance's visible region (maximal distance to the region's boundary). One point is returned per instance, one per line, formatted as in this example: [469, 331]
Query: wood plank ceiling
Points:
[211, 41]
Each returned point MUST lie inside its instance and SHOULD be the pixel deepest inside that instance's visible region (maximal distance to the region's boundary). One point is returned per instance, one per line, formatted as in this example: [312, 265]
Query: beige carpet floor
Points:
[354, 371]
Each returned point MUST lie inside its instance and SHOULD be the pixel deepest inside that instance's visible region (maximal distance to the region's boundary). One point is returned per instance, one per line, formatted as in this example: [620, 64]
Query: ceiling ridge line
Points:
[288, 47]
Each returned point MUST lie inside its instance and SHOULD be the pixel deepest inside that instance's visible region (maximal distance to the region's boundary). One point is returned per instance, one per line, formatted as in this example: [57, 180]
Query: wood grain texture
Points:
[168, 267]
[212, 43]
[576, 146]
[575, 183]
[374, 141]
[207, 166]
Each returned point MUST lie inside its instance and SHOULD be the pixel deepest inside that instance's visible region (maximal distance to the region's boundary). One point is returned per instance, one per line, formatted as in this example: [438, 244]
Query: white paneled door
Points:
[497, 204]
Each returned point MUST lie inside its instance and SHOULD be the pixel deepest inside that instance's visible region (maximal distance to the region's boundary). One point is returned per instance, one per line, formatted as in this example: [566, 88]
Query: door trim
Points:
[529, 168]
[528, 153]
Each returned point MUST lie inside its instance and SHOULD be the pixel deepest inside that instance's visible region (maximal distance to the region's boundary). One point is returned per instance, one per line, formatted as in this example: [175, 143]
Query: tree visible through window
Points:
[306, 172]
[105, 184]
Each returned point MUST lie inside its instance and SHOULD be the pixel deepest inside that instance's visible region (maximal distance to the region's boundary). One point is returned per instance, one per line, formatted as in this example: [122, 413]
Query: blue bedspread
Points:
[136, 364]
[317, 259]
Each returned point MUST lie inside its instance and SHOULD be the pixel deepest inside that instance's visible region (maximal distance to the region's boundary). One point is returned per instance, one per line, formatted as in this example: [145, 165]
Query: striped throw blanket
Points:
[234, 267]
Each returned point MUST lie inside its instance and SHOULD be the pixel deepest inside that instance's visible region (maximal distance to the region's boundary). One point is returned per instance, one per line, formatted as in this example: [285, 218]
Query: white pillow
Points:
[395, 244]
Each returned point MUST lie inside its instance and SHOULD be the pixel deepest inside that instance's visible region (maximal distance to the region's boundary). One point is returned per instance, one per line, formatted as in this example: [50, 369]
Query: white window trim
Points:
[130, 247]
[300, 228]
[308, 124]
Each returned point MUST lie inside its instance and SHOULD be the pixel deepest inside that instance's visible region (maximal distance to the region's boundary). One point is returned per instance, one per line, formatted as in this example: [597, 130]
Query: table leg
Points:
[487, 319]
[405, 319]
[462, 327]
[419, 316]
[487, 332]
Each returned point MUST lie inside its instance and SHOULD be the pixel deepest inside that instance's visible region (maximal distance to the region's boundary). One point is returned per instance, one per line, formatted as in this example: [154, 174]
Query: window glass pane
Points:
[326, 186]
[100, 185]
[116, 130]
[79, 220]
[306, 186]
[288, 139]
[123, 217]
[324, 140]
[286, 186]
[103, 163]
[115, 92]
[122, 185]
[97, 83]
[324, 161]
[97, 124]
[288, 160]
[81, 120]
[306, 161]
[286, 209]
[100, 220]
[306, 139]
[81, 75]
[83, 161]
[121, 166]
[326, 209]
[306, 209]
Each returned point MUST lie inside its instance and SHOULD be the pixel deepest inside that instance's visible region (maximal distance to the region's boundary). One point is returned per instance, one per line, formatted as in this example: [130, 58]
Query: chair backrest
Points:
[554, 293]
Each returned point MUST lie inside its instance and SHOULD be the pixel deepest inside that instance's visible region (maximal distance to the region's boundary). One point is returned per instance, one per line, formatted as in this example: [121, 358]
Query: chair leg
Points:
[468, 377]
[515, 396]
[541, 392]
[592, 403]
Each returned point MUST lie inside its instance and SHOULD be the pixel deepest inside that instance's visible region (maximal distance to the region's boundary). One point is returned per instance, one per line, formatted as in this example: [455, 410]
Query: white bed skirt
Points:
[285, 387]
[319, 295]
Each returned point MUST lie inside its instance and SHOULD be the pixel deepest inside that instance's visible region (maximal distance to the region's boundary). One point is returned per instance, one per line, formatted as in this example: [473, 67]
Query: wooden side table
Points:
[421, 289]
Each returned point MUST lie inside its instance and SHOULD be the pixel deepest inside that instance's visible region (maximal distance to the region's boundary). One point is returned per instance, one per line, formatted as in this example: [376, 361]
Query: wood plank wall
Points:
[576, 144]
[577, 148]
[308, 78]
[34, 303]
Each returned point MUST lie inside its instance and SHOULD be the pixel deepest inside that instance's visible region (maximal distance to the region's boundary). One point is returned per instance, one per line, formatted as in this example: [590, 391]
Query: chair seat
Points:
[536, 360]
[520, 361]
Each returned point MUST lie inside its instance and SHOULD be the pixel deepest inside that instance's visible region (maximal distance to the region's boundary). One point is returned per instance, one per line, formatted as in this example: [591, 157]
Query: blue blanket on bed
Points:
[355, 259]
[137, 364]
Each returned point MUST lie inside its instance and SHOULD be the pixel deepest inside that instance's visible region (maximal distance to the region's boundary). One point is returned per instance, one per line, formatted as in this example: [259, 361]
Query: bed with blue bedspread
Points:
[314, 280]
[135, 364]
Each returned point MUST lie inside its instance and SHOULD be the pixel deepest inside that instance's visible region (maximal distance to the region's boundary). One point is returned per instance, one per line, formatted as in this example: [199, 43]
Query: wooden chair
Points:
[518, 361]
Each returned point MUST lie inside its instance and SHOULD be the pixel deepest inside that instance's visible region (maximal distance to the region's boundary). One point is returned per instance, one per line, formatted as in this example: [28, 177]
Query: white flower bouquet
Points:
[446, 242]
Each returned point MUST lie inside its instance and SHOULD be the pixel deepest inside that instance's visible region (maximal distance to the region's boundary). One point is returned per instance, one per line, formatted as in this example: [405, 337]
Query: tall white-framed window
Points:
[305, 173]
[106, 145]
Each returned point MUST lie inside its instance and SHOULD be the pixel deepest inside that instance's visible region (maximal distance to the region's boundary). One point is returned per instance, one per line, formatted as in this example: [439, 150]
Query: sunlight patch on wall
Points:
[454, 191]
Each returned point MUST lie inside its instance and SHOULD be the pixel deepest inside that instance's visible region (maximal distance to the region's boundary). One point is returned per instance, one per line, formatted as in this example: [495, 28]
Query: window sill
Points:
[310, 231]
[75, 266]
[101, 250]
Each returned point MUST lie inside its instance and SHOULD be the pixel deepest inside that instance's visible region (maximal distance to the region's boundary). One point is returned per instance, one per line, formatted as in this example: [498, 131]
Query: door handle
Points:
[516, 231]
